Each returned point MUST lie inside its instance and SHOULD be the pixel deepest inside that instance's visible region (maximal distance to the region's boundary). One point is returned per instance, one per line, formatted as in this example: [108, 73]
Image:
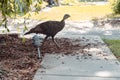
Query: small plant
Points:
[95, 21]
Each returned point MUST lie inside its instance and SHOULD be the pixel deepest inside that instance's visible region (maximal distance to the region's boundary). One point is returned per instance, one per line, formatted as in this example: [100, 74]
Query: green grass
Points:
[114, 45]
[77, 12]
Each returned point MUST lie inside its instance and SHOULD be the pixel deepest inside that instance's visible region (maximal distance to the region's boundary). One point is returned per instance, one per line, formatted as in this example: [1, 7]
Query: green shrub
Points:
[11, 8]
[116, 7]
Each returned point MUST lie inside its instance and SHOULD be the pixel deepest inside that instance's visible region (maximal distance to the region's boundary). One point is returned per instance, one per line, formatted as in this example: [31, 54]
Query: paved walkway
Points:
[97, 63]
[71, 28]
[88, 28]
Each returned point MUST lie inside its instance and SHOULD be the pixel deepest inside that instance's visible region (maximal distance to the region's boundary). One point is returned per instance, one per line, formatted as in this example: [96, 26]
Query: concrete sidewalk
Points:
[71, 28]
[97, 63]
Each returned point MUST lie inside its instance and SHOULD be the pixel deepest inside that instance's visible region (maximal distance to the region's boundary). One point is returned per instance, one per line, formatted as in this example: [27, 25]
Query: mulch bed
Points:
[18, 57]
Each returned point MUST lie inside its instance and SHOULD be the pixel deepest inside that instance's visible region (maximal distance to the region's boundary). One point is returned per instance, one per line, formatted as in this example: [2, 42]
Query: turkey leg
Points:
[55, 42]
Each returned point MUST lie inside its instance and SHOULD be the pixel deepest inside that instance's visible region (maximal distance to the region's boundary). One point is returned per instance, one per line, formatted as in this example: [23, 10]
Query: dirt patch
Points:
[18, 59]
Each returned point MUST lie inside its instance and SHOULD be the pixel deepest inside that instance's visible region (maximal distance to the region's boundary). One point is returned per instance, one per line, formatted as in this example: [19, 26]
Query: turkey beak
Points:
[68, 16]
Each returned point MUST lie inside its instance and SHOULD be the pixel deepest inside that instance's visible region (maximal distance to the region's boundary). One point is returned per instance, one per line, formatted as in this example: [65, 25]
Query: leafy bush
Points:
[116, 7]
[21, 7]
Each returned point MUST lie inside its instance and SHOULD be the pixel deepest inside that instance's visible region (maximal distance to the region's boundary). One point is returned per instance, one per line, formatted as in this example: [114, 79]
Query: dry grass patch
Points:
[78, 13]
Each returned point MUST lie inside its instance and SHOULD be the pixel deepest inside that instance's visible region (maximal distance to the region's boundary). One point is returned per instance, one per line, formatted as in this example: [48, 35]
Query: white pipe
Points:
[38, 49]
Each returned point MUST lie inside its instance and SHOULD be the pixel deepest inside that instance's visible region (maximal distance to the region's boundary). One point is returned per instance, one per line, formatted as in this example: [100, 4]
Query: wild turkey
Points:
[49, 28]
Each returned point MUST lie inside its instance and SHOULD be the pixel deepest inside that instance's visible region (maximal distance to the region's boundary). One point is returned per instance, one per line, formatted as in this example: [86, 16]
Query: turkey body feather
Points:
[51, 28]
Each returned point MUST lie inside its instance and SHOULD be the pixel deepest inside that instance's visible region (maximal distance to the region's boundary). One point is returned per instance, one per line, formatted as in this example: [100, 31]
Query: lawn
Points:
[114, 45]
[77, 12]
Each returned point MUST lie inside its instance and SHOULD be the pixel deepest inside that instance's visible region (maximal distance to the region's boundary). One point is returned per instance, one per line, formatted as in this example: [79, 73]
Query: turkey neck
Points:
[62, 23]
[63, 20]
